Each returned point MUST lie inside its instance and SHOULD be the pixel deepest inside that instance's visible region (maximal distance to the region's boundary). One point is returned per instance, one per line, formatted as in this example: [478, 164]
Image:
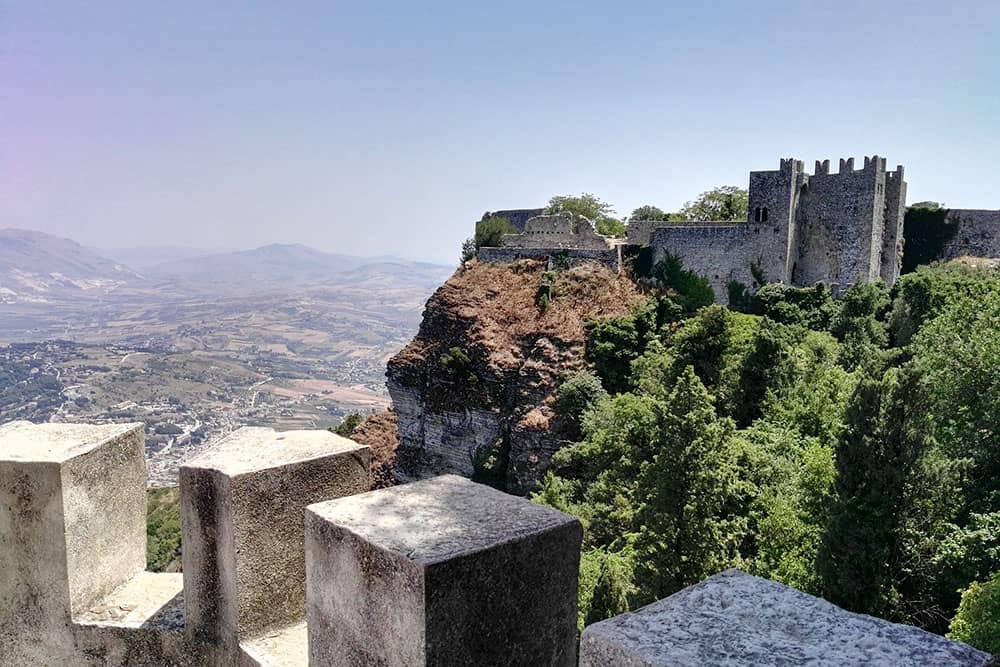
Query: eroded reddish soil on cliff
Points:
[487, 346]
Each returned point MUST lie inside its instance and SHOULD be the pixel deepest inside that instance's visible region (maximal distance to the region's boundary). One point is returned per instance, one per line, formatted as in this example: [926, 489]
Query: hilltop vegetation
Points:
[846, 447]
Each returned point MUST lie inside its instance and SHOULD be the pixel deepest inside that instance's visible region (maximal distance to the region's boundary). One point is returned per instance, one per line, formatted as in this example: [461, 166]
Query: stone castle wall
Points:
[841, 216]
[517, 217]
[841, 228]
[978, 233]
[560, 231]
[721, 253]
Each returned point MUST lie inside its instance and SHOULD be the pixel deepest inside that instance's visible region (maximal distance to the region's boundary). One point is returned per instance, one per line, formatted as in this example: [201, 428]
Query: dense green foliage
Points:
[845, 446]
[163, 530]
[489, 232]
[601, 213]
[649, 212]
[726, 202]
[978, 618]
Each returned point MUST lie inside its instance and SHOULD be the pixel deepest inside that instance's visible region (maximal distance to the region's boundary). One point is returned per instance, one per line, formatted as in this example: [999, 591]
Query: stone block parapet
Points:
[68, 538]
[73, 585]
[242, 511]
[441, 572]
[734, 618]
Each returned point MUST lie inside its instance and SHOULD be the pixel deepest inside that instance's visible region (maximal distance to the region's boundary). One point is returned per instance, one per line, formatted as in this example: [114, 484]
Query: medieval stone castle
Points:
[838, 228]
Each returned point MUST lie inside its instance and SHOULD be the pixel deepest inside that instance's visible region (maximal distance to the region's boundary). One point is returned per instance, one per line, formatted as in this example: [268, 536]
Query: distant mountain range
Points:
[143, 257]
[38, 268]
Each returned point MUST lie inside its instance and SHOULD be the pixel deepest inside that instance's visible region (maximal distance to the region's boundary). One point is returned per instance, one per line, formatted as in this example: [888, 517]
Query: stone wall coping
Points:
[24, 441]
[254, 448]
[736, 618]
[439, 518]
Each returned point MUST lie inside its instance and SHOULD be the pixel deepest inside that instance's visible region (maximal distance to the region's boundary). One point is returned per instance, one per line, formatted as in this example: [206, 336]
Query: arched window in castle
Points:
[756, 214]
[763, 214]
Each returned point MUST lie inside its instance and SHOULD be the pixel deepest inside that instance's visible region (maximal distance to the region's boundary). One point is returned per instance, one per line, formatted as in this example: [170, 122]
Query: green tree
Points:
[768, 367]
[978, 619]
[724, 203]
[614, 343]
[812, 307]
[860, 323]
[589, 206]
[692, 290]
[490, 232]
[795, 477]
[648, 212]
[163, 530]
[958, 356]
[621, 433]
[875, 457]
[612, 590]
[687, 529]
[577, 394]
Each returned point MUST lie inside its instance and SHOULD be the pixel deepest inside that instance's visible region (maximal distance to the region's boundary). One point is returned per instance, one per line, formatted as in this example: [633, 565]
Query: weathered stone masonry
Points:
[978, 233]
[440, 572]
[841, 229]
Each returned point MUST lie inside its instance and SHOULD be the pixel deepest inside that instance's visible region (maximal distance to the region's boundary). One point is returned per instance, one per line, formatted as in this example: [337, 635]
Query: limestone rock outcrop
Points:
[473, 391]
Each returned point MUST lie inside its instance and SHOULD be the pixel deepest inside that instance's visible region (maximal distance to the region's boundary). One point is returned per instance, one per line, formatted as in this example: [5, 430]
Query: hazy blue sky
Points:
[371, 127]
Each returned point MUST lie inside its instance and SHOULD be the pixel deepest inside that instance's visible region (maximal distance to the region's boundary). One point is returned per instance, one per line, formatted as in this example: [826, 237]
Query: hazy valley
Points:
[196, 346]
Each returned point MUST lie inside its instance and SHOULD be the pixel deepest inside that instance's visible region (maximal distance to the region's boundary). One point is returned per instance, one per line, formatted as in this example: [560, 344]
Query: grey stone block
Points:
[441, 572]
[72, 529]
[242, 516]
[734, 619]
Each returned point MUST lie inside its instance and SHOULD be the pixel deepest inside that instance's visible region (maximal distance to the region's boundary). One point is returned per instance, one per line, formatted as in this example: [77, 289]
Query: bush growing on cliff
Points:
[348, 424]
[577, 394]
[490, 232]
[693, 291]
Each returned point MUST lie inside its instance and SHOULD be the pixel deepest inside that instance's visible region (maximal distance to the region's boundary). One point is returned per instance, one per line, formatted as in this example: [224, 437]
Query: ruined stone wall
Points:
[610, 257]
[557, 231]
[978, 233]
[840, 220]
[721, 253]
[638, 232]
[517, 217]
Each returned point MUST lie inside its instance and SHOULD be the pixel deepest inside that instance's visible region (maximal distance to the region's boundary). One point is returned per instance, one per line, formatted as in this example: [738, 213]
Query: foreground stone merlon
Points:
[734, 618]
[441, 572]
[72, 530]
[242, 508]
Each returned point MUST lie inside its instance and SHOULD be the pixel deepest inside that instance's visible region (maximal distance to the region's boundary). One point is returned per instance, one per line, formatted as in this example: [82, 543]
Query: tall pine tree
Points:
[860, 556]
[687, 493]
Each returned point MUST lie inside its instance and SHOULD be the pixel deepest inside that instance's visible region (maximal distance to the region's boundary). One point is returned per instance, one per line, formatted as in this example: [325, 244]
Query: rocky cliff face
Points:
[472, 392]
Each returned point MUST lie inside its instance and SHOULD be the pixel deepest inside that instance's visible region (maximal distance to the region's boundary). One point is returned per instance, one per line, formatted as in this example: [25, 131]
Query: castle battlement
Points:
[289, 562]
[840, 229]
